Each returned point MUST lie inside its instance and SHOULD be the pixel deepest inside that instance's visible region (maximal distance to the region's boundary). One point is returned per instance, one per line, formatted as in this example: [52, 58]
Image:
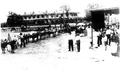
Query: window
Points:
[34, 16]
[57, 15]
[29, 17]
[25, 17]
[46, 16]
[38, 16]
[51, 15]
[42, 16]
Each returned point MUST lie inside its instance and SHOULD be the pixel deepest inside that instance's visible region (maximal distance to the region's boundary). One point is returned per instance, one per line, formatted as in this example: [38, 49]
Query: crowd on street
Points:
[20, 39]
[104, 37]
[107, 35]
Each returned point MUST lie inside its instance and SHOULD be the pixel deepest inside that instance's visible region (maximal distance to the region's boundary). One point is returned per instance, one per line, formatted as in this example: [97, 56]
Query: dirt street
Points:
[48, 61]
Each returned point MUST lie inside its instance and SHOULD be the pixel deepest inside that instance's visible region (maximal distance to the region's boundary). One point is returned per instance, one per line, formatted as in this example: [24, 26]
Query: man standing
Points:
[99, 39]
[70, 42]
[105, 41]
[22, 40]
[78, 42]
[12, 43]
[3, 45]
[25, 38]
[108, 32]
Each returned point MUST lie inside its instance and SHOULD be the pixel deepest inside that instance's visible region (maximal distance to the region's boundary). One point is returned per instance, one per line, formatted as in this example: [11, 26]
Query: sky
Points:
[21, 6]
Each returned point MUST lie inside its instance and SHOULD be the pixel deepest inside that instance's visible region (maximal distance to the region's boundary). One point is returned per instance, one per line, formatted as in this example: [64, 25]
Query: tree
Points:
[14, 20]
[66, 9]
[87, 11]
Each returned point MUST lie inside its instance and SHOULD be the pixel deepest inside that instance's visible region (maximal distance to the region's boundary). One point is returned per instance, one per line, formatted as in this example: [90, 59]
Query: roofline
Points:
[113, 10]
[47, 13]
[101, 9]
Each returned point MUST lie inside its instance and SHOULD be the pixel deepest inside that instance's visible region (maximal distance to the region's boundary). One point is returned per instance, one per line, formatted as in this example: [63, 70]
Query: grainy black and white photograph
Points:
[60, 41]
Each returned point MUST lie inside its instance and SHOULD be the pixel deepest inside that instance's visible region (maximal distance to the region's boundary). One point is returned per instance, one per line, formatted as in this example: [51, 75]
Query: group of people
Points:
[74, 39]
[106, 36]
[12, 43]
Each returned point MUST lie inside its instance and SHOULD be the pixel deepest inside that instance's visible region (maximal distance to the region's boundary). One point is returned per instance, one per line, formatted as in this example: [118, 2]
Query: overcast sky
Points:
[21, 6]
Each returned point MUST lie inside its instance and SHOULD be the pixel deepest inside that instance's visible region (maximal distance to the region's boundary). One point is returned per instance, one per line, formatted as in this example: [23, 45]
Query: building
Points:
[98, 18]
[50, 18]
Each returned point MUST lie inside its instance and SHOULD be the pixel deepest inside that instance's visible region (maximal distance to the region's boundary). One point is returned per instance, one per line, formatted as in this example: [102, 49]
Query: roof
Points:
[113, 10]
[48, 13]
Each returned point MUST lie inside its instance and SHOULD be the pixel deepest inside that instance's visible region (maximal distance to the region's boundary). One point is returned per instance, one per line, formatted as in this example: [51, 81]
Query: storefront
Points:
[98, 18]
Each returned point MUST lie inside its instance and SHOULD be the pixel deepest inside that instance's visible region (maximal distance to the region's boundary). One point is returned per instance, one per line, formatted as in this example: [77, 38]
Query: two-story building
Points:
[50, 18]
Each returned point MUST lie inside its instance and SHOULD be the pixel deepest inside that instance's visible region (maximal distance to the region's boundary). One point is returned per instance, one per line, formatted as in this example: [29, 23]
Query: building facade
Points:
[50, 18]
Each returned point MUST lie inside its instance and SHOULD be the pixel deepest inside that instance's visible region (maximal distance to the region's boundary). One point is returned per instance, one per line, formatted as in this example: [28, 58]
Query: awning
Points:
[113, 10]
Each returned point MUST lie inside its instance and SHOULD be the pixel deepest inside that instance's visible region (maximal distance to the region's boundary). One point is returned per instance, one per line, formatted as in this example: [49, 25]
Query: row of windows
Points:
[46, 16]
[47, 22]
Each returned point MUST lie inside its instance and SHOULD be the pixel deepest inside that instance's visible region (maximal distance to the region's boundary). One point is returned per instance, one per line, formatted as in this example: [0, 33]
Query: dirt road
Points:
[48, 61]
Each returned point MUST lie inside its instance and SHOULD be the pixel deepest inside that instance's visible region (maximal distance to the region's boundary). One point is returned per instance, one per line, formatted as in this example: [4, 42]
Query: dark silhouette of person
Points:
[78, 42]
[108, 32]
[70, 42]
[3, 45]
[22, 41]
[12, 44]
[99, 40]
